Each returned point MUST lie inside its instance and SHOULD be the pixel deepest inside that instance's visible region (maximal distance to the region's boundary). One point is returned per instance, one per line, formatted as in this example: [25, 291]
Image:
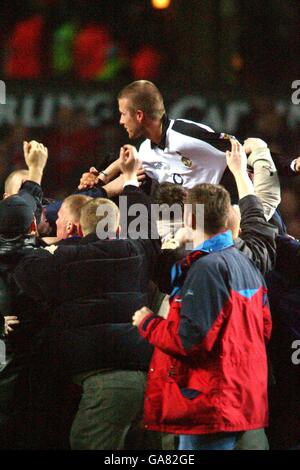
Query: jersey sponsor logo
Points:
[161, 166]
[187, 162]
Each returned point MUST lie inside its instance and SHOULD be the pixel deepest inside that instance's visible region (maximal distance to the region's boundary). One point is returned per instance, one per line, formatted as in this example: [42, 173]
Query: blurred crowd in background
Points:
[83, 40]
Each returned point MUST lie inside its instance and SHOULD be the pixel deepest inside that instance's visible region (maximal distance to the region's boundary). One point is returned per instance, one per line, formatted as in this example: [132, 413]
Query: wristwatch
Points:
[100, 181]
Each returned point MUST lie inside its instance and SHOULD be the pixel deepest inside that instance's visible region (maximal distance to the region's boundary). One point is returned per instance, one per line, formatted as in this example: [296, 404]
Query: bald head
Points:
[14, 182]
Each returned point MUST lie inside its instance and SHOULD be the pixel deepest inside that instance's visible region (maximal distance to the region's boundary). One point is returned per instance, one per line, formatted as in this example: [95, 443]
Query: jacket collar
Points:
[180, 269]
[216, 243]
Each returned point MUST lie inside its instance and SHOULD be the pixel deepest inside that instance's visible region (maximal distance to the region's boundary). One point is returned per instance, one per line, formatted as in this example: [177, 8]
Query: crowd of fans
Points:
[75, 145]
[86, 295]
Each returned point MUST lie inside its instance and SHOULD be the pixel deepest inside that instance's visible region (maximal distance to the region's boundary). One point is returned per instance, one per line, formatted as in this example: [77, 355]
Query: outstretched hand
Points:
[129, 162]
[89, 179]
[237, 158]
[35, 154]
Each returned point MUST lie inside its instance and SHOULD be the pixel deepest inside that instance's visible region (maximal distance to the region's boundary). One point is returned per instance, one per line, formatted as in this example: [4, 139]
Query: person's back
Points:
[208, 379]
[284, 293]
[223, 378]
[16, 413]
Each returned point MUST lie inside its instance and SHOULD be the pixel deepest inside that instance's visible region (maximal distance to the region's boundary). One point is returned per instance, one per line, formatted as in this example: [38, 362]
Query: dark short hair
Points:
[170, 193]
[216, 201]
[144, 95]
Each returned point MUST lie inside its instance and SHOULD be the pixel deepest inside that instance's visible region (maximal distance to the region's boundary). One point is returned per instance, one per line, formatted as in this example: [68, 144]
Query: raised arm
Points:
[237, 164]
[190, 327]
[94, 177]
[35, 155]
[110, 179]
[257, 236]
[265, 177]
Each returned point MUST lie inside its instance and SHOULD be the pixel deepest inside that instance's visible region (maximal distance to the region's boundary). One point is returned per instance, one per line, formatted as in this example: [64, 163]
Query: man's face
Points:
[131, 122]
[63, 223]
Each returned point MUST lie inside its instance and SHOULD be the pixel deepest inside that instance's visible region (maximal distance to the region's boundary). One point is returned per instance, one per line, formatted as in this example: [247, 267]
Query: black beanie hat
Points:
[16, 216]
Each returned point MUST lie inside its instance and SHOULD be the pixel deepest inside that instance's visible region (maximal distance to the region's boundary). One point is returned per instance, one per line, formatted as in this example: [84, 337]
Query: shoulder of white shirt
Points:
[293, 165]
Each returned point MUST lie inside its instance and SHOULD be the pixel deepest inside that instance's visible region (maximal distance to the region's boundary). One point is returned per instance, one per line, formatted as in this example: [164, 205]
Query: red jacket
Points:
[208, 372]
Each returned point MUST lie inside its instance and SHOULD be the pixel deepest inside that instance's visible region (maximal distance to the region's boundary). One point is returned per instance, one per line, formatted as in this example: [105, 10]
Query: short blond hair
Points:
[73, 205]
[89, 218]
[144, 95]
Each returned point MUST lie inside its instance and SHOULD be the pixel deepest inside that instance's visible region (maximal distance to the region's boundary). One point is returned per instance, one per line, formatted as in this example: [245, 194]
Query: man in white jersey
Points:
[175, 151]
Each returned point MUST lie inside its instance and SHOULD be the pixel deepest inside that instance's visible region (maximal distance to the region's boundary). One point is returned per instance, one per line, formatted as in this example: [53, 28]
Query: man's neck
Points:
[200, 237]
[153, 131]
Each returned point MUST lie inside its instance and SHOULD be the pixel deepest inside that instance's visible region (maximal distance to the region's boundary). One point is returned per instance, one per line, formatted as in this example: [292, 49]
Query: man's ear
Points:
[79, 230]
[33, 228]
[188, 219]
[118, 231]
[139, 115]
[71, 229]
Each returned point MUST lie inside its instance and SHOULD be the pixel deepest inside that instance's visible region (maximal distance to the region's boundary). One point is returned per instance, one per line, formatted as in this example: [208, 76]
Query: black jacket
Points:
[283, 165]
[14, 301]
[91, 290]
[33, 194]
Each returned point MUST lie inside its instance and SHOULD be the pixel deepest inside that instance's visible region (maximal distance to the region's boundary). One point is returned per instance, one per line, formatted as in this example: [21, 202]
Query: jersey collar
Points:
[165, 124]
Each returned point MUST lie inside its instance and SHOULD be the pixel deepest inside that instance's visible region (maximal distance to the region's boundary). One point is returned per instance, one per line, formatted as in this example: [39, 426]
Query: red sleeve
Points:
[163, 334]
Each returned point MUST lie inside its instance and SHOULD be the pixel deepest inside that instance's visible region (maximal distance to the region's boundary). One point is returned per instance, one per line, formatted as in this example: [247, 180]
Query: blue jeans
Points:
[218, 441]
